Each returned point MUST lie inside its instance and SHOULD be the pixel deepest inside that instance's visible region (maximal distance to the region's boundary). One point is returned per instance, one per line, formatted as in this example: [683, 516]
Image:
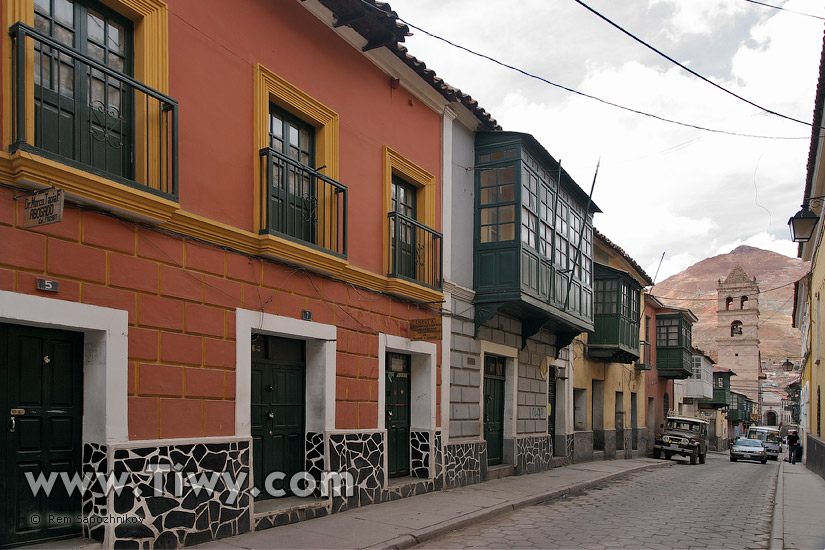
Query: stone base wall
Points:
[533, 454]
[609, 438]
[178, 514]
[465, 463]
[94, 500]
[582, 446]
[563, 446]
[641, 440]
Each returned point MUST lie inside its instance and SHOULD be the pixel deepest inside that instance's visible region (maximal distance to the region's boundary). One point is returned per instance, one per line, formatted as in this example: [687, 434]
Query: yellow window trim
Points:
[271, 88]
[424, 182]
[30, 170]
[27, 170]
[151, 49]
[413, 174]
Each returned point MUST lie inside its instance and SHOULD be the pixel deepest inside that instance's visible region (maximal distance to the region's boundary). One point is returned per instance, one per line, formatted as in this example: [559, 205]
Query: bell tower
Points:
[737, 337]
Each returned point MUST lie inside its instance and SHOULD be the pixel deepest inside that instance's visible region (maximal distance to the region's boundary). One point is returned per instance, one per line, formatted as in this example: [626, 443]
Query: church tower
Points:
[737, 339]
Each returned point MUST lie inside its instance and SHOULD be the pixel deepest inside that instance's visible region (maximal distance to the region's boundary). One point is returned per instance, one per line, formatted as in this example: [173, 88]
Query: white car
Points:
[748, 449]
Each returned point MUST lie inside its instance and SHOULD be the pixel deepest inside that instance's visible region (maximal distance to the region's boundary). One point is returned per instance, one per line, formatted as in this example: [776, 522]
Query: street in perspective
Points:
[723, 505]
[313, 274]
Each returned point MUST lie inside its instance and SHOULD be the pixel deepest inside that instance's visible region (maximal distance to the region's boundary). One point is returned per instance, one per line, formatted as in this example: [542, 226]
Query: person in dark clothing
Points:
[793, 441]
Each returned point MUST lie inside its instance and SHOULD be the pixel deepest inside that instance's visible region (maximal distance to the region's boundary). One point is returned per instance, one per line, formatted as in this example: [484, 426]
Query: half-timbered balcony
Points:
[84, 110]
[616, 317]
[302, 204]
[415, 251]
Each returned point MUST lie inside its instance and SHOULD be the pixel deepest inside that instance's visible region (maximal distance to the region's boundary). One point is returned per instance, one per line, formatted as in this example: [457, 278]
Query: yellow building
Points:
[807, 229]
[608, 376]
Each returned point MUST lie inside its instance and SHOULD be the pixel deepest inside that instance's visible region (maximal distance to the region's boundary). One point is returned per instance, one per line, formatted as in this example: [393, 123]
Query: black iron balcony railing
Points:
[415, 251]
[302, 204]
[645, 362]
[92, 116]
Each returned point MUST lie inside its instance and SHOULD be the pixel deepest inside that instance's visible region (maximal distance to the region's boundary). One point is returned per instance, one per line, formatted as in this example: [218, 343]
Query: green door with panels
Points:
[278, 410]
[293, 204]
[41, 396]
[494, 369]
[404, 248]
[83, 113]
[398, 414]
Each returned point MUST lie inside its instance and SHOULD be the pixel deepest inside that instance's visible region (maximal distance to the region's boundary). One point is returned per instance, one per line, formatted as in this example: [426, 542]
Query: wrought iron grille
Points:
[303, 204]
[415, 250]
[91, 116]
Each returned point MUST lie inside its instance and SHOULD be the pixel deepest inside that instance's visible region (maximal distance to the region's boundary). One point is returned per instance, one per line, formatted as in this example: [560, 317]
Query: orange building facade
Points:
[251, 222]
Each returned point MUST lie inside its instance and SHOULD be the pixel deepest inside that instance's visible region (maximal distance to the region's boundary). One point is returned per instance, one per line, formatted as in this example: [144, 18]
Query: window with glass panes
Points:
[292, 204]
[562, 236]
[404, 235]
[697, 367]
[80, 112]
[614, 296]
[667, 332]
[687, 339]
[720, 382]
[606, 296]
[497, 204]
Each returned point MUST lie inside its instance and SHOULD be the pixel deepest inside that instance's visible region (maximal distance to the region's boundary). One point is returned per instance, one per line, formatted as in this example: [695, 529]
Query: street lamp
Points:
[802, 224]
[787, 366]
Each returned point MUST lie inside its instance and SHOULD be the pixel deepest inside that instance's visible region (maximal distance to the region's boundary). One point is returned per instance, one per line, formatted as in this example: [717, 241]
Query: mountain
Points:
[695, 288]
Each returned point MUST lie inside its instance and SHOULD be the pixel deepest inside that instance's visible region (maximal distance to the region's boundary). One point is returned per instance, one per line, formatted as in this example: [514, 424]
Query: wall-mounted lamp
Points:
[787, 366]
[804, 222]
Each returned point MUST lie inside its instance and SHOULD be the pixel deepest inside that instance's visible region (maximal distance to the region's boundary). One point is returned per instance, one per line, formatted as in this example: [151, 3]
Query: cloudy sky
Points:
[663, 188]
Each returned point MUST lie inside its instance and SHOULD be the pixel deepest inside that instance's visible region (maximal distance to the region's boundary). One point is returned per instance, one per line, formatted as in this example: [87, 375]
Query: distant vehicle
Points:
[770, 437]
[685, 436]
[748, 449]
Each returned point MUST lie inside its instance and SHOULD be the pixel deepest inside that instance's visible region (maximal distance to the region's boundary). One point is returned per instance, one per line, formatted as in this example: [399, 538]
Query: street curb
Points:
[778, 518]
[416, 537]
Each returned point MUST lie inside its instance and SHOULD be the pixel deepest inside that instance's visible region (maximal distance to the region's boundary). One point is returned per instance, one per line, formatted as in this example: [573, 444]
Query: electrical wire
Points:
[715, 299]
[577, 92]
[688, 69]
[780, 8]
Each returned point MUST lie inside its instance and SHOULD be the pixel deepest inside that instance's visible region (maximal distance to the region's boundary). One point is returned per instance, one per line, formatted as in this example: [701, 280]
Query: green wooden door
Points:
[41, 396]
[494, 369]
[293, 203]
[398, 414]
[404, 247]
[278, 410]
[82, 113]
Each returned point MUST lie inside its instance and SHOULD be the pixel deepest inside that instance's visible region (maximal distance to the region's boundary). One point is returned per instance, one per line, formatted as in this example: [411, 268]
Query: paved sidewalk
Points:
[409, 521]
[799, 512]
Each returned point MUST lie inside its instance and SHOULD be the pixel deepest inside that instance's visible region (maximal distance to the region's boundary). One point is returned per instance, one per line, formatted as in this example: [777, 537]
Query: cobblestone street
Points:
[721, 504]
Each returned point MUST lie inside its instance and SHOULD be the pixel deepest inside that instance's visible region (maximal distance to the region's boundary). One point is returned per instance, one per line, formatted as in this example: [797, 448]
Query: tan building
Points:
[608, 381]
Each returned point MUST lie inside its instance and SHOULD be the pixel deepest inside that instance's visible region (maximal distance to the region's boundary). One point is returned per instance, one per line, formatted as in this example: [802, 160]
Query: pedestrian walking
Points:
[793, 441]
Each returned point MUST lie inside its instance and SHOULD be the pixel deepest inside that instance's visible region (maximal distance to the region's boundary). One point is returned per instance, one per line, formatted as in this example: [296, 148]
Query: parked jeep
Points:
[685, 436]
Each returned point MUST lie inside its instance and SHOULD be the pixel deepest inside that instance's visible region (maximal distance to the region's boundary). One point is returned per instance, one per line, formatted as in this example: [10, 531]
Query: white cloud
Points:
[764, 241]
[670, 266]
[700, 17]
[662, 187]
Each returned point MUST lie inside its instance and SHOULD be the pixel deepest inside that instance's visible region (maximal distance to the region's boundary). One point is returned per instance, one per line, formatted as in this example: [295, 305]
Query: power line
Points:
[574, 91]
[688, 69]
[715, 299]
[780, 8]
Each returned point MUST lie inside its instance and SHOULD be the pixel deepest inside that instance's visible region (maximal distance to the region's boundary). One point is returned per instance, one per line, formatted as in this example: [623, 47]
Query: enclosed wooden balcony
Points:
[533, 242]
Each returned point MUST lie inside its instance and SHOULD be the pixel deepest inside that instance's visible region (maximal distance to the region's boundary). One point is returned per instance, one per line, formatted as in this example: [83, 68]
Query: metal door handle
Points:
[13, 424]
[270, 415]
